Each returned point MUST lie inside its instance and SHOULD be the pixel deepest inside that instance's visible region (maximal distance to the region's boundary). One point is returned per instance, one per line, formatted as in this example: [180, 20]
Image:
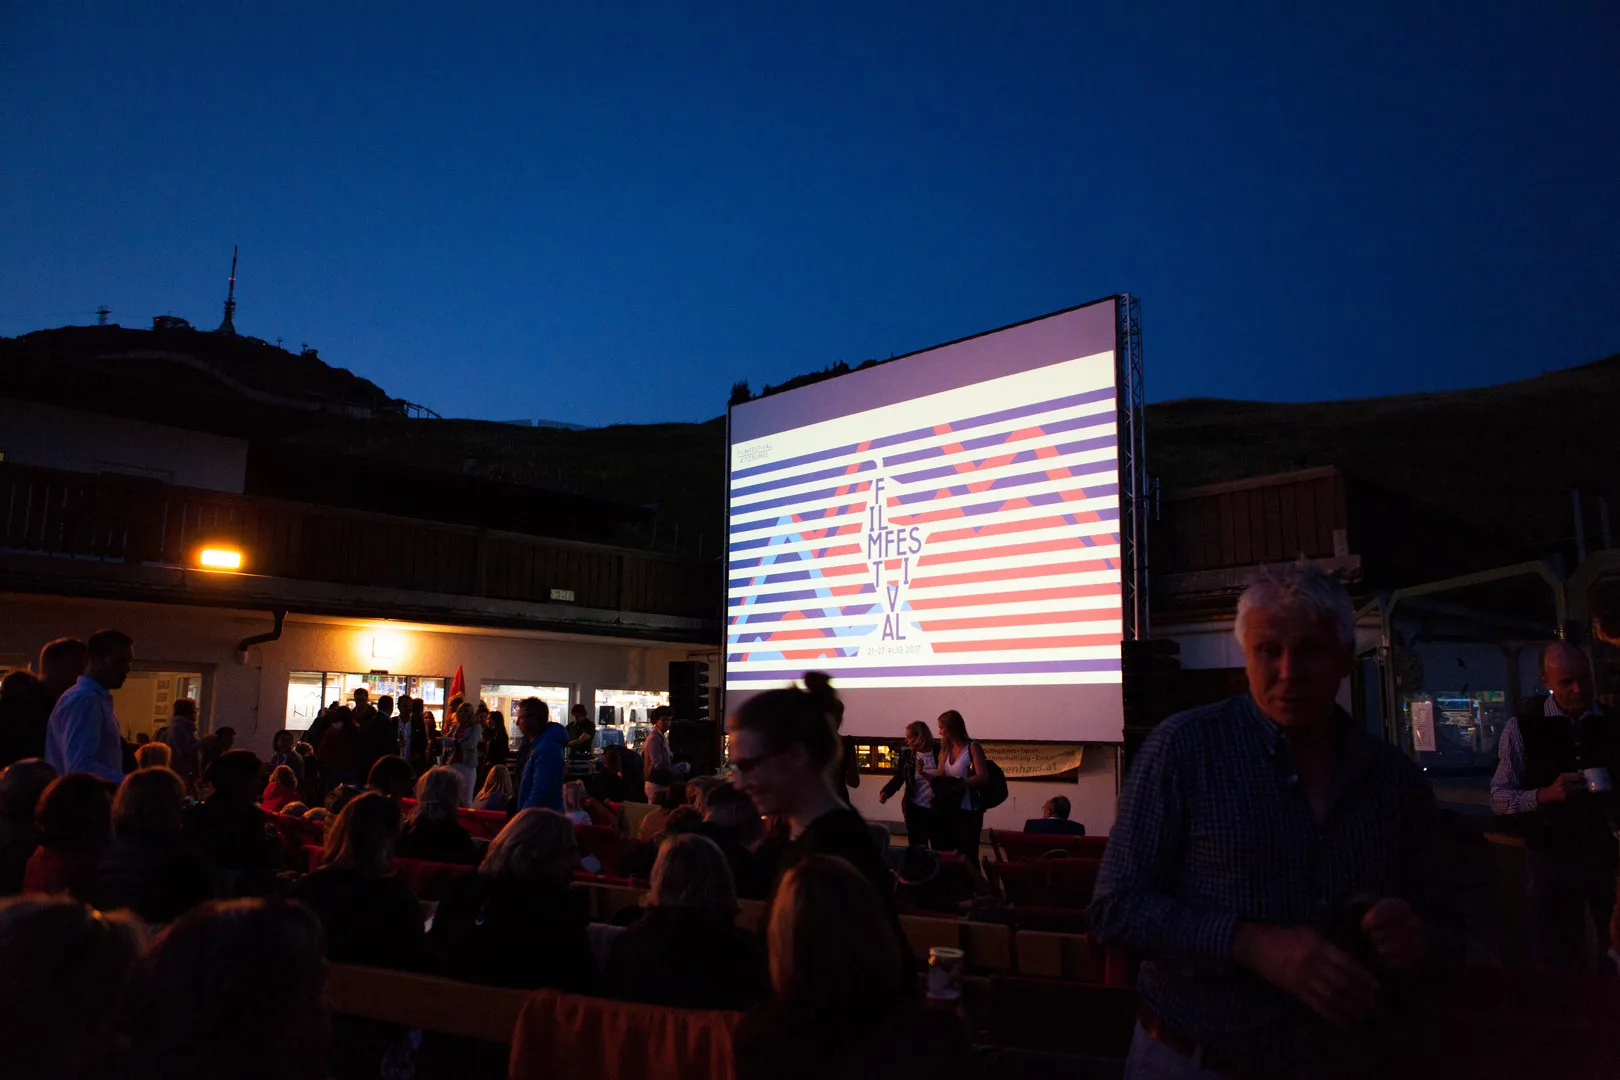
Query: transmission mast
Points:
[229, 325]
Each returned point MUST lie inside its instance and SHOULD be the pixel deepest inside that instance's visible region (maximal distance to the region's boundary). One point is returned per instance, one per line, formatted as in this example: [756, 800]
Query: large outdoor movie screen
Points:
[938, 532]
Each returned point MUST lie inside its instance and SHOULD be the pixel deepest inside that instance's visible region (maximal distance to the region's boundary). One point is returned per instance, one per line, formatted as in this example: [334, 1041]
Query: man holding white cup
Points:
[1556, 766]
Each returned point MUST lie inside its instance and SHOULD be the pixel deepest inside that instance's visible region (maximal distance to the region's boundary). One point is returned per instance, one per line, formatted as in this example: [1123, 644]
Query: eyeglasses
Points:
[748, 765]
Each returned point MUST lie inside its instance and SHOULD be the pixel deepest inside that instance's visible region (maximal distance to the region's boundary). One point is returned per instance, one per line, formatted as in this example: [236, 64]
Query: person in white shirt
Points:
[919, 764]
[82, 735]
[656, 749]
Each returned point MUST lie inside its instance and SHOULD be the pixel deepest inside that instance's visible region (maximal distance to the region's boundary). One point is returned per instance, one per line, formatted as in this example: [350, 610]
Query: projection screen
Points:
[940, 531]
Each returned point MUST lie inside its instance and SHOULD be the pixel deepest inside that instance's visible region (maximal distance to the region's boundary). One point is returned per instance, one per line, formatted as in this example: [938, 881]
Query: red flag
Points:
[458, 685]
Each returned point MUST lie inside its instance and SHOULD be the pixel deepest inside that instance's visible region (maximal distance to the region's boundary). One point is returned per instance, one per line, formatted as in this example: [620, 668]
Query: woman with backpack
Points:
[963, 772]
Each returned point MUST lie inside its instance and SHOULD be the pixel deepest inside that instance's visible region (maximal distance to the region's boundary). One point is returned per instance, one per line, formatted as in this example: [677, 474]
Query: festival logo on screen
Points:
[985, 546]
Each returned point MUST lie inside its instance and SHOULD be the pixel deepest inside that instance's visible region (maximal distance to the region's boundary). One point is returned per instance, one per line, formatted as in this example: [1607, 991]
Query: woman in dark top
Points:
[434, 833]
[368, 914]
[687, 951]
[516, 922]
[228, 830]
[840, 1001]
[785, 751]
[149, 868]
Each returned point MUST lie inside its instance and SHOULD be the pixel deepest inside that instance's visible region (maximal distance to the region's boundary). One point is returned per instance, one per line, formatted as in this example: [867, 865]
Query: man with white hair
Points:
[1270, 859]
[1544, 757]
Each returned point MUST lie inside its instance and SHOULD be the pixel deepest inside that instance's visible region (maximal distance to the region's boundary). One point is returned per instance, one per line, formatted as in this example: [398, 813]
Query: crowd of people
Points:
[1275, 869]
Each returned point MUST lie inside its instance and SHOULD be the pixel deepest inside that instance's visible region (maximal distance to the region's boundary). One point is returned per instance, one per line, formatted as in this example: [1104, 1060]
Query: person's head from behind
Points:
[1567, 675]
[613, 761]
[294, 809]
[438, 796]
[282, 741]
[149, 805]
[75, 813]
[1297, 627]
[284, 778]
[184, 709]
[363, 837]
[112, 654]
[498, 784]
[535, 846]
[691, 873]
[574, 796]
[61, 663]
[64, 970]
[385, 705]
[832, 948]
[918, 737]
[17, 684]
[783, 746]
[224, 738]
[732, 810]
[21, 785]
[392, 776]
[235, 776]
[154, 755]
[233, 988]
[533, 715]
[141, 739]
[1056, 807]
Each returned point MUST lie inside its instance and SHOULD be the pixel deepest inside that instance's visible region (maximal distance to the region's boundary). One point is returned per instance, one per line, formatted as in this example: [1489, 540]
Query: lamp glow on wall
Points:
[387, 647]
[219, 557]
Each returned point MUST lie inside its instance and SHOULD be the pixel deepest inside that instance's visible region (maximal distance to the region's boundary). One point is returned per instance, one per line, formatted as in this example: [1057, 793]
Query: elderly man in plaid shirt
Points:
[1271, 861]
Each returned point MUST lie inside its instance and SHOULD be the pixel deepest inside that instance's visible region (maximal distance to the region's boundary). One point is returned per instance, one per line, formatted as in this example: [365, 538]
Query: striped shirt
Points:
[1215, 829]
[1509, 795]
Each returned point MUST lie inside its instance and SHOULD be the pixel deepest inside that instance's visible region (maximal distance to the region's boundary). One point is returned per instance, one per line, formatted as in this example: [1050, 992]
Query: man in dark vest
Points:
[1557, 764]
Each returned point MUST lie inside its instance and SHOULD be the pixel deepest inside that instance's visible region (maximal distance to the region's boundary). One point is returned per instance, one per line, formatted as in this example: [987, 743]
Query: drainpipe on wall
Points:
[247, 643]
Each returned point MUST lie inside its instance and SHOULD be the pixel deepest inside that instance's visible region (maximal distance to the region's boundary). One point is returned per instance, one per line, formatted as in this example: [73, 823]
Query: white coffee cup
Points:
[1597, 779]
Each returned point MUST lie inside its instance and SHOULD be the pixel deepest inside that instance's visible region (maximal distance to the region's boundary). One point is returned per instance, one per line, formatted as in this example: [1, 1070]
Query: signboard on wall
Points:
[1036, 761]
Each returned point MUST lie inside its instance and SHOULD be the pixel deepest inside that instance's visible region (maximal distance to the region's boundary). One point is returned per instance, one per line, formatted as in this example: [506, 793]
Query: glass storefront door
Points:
[308, 691]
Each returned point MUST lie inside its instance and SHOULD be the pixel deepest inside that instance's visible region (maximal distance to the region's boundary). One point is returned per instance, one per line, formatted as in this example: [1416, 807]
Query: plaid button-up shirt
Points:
[1214, 829]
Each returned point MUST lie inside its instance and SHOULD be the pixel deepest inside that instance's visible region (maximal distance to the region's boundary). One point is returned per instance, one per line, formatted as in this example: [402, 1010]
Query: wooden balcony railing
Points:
[128, 520]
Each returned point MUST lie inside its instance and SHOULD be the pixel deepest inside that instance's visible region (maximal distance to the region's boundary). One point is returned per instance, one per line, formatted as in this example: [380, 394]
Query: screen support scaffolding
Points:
[1135, 499]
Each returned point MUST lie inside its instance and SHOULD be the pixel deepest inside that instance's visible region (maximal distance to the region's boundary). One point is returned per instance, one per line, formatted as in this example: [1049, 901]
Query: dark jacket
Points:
[156, 877]
[438, 841]
[606, 787]
[342, 748]
[1553, 745]
[773, 1042]
[229, 835]
[906, 776]
[368, 920]
[520, 934]
[25, 711]
[17, 844]
[1053, 826]
[689, 959]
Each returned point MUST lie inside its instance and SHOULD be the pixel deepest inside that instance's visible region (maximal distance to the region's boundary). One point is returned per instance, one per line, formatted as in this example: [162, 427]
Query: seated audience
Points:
[496, 794]
[840, 1003]
[732, 821]
[574, 798]
[230, 991]
[393, 776]
[668, 800]
[228, 830]
[434, 832]
[294, 809]
[152, 755]
[611, 782]
[1054, 819]
[686, 950]
[148, 867]
[516, 922]
[283, 751]
[320, 815]
[73, 819]
[64, 968]
[281, 790]
[21, 785]
[339, 797]
[369, 916]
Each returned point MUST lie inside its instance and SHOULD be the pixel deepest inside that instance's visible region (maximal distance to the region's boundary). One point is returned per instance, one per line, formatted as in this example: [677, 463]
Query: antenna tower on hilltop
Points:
[101, 315]
[229, 326]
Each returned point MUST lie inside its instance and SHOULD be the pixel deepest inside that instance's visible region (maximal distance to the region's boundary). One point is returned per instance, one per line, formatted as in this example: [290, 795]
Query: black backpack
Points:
[994, 790]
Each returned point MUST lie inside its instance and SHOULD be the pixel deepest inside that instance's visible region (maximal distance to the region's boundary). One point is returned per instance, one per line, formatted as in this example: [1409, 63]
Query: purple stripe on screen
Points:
[1066, 335]
[1016, 412]
[777, 616]
[1025, 667]
[803, 478]
[1022, 456]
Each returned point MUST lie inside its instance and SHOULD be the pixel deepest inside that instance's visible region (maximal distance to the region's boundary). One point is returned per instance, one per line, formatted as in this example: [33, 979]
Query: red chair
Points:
[429, 880]
[1024, 884]
[1072, 881]
[482, 824]
[294, 833]
[1026, 847]
[607, 846]
[1049, 883]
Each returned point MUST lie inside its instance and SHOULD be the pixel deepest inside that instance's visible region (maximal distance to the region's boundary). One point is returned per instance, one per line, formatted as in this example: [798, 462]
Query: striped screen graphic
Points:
[967, 537]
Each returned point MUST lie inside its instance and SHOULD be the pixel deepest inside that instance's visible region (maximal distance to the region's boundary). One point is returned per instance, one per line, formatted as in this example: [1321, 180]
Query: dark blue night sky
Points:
[609, 212]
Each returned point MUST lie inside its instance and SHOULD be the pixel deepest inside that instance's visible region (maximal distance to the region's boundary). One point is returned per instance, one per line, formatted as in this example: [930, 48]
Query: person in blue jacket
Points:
[542, 781]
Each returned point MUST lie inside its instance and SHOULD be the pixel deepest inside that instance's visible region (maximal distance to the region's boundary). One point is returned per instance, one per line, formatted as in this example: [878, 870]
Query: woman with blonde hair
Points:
[435, 833]
[516, 922]
[496, 795]
[461, 748]
[962, 769]
[369, 916]
[686, 950]
[281, 790]
[841, 1004]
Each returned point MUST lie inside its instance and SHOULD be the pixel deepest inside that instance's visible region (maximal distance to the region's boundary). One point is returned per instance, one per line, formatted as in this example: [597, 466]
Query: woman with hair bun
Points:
[785, 753]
